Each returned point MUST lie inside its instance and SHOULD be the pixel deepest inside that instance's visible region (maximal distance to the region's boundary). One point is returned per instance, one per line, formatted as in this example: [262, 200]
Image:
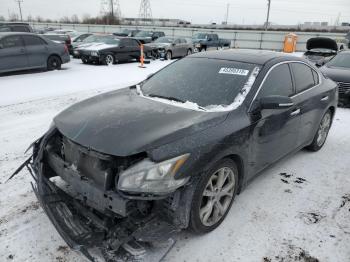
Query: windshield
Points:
[340, 60]
[97, 39]
[144, 34]
[200, 36]
[164, 40]
[206, 82]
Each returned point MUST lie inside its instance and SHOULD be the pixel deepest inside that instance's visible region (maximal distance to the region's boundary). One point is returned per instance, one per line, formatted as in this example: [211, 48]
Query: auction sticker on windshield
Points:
[233, 71]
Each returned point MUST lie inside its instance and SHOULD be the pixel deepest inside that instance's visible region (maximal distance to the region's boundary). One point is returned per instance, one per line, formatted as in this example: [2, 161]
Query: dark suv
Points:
[15, 27]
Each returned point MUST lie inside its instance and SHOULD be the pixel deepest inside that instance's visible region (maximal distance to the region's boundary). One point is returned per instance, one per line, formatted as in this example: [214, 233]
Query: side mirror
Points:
[275, 102]
[122, 46]
[173, 44]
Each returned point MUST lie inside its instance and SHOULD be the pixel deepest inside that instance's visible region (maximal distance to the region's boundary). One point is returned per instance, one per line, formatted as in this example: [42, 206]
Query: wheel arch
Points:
[52, 55]
[240, 166]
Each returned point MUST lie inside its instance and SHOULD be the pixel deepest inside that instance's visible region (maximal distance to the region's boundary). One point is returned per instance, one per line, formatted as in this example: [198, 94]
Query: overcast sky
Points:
[196, 11]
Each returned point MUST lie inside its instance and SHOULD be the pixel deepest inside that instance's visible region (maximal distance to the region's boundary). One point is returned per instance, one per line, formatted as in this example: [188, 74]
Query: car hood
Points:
[321, 43]
[337, 74]
[158, 45]
[122, 123]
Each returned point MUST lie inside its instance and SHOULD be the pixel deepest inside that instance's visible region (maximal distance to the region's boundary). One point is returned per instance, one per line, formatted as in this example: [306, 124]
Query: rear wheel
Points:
[322, 132]
[214, 196]
[109, 60]
[54, 63]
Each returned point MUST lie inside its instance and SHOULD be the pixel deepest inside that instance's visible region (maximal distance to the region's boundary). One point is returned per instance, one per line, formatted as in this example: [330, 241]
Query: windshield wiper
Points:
[168, 98]
[176, 100]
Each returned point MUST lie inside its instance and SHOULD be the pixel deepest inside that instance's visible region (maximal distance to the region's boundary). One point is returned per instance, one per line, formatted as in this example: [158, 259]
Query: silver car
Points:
[22, 51]
[170, 47]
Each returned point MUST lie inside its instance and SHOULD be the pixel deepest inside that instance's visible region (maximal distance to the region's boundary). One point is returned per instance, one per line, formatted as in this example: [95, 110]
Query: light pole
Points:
[268, 14]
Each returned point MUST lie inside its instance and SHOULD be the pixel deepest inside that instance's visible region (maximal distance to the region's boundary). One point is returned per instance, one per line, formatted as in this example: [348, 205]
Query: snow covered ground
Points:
[295, 211]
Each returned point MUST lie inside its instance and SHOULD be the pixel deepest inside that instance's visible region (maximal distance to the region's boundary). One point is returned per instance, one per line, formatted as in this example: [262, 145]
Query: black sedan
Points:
[112, 50]
[338, 69]
[140, 163]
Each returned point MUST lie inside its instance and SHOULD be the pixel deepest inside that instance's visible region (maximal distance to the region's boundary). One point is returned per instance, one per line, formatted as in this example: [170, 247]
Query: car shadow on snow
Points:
[28, 72]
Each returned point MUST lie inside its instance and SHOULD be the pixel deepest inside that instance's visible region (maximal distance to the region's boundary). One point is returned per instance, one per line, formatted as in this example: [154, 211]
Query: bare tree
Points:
[75, 19]
[2, 18]
[13, 17]
[39, 19]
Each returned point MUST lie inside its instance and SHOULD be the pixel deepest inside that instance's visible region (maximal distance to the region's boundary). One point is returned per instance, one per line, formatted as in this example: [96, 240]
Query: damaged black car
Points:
[127, 169]
[320, 50]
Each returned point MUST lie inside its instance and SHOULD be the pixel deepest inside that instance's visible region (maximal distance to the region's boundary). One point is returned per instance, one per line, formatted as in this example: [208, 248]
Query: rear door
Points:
[12, 53]
[37, 51]
[311, 98]
[276, 132]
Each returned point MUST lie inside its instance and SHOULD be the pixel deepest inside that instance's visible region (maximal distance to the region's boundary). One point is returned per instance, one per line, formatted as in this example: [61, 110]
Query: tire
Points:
[85, 61]
[208, 198]
[189, 52]
[169, 55]
[54, 63]
[109, 60]
[321, 133]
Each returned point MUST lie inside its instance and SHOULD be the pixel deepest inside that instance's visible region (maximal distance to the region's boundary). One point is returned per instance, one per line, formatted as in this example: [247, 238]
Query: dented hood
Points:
[122, 123]
[321, 43]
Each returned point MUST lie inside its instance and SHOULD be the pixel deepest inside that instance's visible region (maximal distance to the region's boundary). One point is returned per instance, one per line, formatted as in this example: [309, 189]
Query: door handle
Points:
[325, 98]
[295, 112]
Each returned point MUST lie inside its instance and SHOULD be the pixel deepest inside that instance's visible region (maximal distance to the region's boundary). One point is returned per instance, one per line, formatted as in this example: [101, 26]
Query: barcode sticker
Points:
[233, 71]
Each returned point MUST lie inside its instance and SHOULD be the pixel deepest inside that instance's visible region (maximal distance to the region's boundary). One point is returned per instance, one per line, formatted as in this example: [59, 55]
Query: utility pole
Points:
[20, 8]
[268, 14]
[111, 10]
[227, 12]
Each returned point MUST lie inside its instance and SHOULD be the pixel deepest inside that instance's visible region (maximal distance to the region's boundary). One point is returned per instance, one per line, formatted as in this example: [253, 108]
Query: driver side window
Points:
[278, 82]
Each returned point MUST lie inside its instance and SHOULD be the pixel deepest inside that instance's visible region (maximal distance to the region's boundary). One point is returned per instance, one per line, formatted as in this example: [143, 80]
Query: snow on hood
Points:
[97, 47]
[158, 45]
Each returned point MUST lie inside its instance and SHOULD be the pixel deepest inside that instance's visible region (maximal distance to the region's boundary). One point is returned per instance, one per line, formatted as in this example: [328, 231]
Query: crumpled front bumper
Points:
[86, 229]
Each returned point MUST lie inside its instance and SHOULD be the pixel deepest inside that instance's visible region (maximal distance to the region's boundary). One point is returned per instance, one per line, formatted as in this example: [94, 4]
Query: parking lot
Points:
[299, 209]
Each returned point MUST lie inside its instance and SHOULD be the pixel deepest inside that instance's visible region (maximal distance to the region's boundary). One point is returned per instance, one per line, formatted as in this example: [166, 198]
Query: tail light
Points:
[65, 48]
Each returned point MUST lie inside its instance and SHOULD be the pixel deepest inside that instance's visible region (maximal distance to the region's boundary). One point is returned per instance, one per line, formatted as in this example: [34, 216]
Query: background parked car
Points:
[338, 69]
[89, 41]
[113, 50]
[127, 32]
[320, 50]
[21, 51]
[146, 37]
[62, 39]
[169, 47]
[15, 27]
[205, 41]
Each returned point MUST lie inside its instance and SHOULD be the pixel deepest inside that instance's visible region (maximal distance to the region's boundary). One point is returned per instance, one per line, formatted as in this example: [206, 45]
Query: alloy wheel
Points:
[109, 60]
[217, 196]
[323, 129]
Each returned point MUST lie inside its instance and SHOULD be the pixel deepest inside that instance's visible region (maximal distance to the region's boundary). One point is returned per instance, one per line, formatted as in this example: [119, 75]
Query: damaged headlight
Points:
[149, 177]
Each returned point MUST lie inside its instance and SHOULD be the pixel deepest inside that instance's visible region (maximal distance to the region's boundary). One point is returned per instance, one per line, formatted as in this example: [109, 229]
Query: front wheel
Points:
[108, 60]
[169, 55]
[214, 196]
[54, 63]
[322, 132]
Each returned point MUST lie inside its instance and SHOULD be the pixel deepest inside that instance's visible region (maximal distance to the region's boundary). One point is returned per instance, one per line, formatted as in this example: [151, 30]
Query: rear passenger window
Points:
[304, 77]
[278, 82]
[12, 41]
[20, 28]
[5, 29]
[32, 40]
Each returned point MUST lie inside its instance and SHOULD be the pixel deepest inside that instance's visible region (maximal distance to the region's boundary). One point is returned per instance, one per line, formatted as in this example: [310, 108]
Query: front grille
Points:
[343, 87]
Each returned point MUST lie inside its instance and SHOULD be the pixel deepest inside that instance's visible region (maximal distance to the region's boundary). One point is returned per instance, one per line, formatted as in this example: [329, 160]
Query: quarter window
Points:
[12, 41]
[304, 77]
[278, 82]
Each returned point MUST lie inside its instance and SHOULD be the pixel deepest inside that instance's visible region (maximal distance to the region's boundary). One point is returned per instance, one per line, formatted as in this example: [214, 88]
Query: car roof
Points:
[2, 34]
[13, 23]
[260, 57]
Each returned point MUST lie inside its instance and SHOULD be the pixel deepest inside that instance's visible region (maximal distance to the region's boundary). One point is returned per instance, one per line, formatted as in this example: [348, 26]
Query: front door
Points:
[276, 132]
[12, 53]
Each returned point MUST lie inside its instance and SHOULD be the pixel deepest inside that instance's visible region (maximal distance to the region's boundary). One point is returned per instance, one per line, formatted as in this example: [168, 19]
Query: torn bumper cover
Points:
[94, 220]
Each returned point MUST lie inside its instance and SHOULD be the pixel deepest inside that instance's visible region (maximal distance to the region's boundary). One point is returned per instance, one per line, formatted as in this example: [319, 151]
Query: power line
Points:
[20, 8]
[227, 12]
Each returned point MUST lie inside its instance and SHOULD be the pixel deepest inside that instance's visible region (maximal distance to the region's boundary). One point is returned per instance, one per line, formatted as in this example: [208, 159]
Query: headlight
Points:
[150, 177]
[94, 53]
